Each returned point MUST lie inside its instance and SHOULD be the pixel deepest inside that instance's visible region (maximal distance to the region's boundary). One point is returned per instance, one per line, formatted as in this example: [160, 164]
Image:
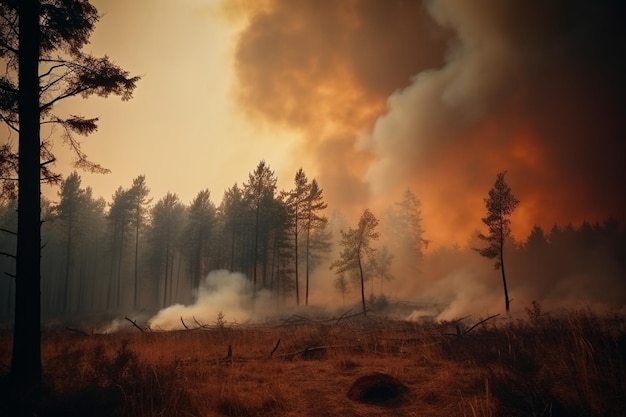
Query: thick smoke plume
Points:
[440, 96]
[224, 293]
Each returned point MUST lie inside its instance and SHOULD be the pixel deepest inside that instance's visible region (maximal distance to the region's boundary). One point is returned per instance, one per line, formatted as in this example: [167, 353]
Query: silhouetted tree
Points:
[119, 218]
[92, 269]
[259, 195]
[537, 240]
[357, 249]
[406, 234]
[342, 287]
[316, 241]
[279, 246]
[201, 215]
[69, 212]
[500, 204]
[296, 201]
[138, 201]
[380, 266]
[232, 215]
[41, 42]
[167, 218]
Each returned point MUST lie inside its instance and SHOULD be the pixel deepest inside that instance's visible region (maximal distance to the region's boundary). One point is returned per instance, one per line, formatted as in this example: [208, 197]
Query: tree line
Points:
[136, 254]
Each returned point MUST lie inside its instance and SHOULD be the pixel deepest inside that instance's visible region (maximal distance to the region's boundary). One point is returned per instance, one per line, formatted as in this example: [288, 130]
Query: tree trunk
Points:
[167, 269]
[119, 266]
[256, 249]
[296, 261]
[362, 283]
[506, 292]
[136, 262]
[68, 261]
[26, 359]
[306, 254]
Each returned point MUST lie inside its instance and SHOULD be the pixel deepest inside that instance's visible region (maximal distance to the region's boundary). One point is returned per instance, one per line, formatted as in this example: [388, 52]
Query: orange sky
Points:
[370, 97]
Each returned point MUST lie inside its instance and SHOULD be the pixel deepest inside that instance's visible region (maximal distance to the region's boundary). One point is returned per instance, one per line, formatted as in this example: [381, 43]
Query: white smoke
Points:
[223, 293]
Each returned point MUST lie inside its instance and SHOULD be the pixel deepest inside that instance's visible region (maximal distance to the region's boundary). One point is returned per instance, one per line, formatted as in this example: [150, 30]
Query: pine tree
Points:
[41, 45]
[500, 204]
[357, 250]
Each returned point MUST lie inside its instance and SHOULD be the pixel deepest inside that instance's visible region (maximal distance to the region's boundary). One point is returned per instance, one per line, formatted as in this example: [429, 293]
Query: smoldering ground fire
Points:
[222, 294]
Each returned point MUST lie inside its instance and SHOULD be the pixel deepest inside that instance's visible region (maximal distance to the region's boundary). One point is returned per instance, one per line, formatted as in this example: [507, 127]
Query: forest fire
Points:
[484, 97]
[436, 217]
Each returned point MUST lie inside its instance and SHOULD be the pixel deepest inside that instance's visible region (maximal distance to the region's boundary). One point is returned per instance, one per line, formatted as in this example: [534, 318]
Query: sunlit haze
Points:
[369, 98]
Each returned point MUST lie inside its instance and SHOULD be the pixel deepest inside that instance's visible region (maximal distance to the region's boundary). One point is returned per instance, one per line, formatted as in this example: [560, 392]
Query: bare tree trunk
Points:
[507, 302]
[68, 261]
[26, 359]
[119, 266]
[296, 261]
[362, 282]
[167, 268]
[256, 250]
[306, 254]
[136, 261]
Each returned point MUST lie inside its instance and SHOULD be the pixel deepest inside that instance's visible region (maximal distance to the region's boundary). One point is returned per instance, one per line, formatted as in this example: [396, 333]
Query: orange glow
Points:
[369, 98]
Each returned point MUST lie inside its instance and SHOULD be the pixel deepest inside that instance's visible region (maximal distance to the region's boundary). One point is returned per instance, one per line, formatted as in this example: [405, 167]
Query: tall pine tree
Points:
[41, 45]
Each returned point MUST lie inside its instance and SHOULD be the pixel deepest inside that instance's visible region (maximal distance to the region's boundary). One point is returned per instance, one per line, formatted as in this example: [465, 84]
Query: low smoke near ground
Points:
[223, 293]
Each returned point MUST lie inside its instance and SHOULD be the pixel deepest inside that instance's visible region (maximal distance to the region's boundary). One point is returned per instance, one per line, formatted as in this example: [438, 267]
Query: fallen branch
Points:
[306, 352]
[479, 323]
[134, 323]
[275, 347]
[460, 332]
[298, 319]
[77, 331]
[200, 325]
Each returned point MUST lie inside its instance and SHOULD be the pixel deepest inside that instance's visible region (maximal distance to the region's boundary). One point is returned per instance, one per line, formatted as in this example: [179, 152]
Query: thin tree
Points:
[406, 235]
[69, 210]
[45, 35]
[231, 213]
[201, 216]
[357, 250]
[119, 217]
[380, 266]
[167, 216]
[314, 224]
[500, 204]
[259, 194]
[138, 196]
[296, 201]
[341, 285]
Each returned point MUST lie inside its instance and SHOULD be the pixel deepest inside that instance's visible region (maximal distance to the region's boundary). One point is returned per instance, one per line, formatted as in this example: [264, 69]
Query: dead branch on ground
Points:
[134, 323]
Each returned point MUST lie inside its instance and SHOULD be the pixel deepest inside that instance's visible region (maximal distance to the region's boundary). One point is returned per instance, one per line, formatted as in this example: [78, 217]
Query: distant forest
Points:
[135, 254]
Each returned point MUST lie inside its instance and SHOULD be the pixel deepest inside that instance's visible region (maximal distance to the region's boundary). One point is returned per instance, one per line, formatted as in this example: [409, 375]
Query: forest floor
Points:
[544, 365]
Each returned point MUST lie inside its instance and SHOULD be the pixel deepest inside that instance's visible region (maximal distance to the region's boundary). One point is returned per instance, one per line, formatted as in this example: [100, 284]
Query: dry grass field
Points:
[544, 365]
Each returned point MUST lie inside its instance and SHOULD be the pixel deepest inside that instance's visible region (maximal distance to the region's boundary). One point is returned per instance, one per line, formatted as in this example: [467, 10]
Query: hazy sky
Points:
[182, 129]
[370, 97]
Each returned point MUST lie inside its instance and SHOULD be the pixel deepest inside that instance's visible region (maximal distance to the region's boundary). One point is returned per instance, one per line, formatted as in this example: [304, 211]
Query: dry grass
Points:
[572, 365]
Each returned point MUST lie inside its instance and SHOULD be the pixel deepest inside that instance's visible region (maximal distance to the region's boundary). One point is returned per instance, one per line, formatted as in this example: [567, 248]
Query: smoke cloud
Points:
[228, 293]
[441, 95]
